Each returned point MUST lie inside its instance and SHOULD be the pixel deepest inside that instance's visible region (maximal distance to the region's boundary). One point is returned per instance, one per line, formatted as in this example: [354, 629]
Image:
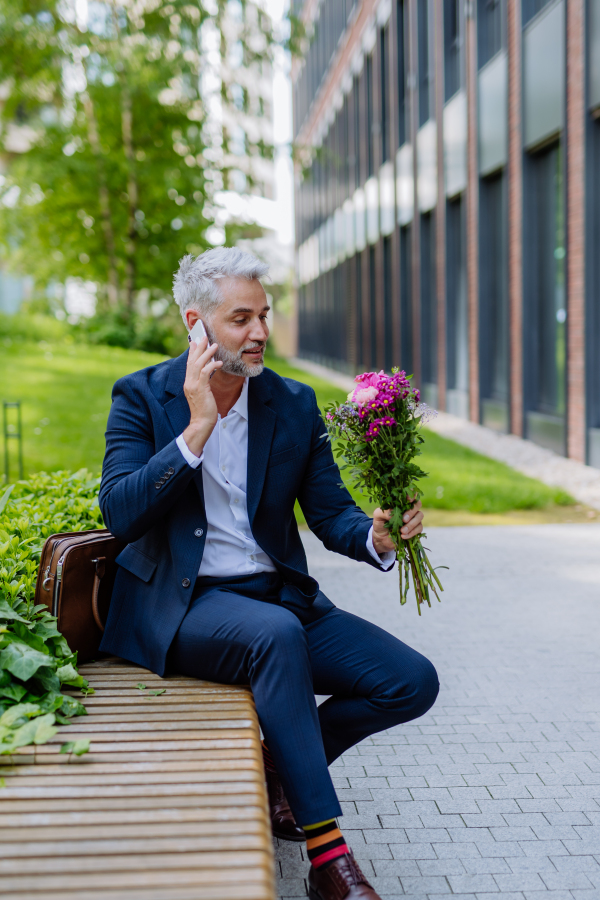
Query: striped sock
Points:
[324, 843]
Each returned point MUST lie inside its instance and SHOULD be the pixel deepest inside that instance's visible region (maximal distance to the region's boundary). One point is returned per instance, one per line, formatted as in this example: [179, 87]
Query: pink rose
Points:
[363, 395]
[368, 379]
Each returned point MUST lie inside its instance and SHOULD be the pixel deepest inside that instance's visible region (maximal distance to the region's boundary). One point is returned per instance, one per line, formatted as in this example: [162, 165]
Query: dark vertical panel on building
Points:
[545, 298]
[423, 59]
[593, 280]
[365, 270]
[387, 305]
[494, 318]
[370, 116]
[372, 307]
[428, 301]
[457, 312]
[531, 8]
[358, 295]
[401, 57]
[491, 28]
[406, 325]
[452, 79]
[384, 95]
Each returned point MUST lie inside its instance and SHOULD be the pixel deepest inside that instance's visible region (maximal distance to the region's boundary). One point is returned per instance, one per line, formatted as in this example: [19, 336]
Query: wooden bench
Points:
[169, 804]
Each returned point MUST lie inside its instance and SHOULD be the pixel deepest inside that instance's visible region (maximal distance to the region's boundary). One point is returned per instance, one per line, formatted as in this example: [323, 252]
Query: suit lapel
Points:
[261, 425]
[177, 409]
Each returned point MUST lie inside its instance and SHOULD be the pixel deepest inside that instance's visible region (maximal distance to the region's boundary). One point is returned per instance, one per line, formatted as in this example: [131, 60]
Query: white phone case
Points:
[197, 333]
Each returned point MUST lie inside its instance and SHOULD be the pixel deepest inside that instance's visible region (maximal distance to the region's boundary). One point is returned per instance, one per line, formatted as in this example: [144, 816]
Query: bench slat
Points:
[169, 803]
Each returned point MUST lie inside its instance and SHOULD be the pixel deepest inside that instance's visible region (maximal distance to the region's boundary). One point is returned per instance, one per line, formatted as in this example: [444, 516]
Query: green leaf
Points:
[157, 693]
[36, 731]
[72, 707]
[140, 686]
[69, 675]
[22, 660]
[47, 678]
[20, 711]
[5, 497]
[78, 748]
[13, 691]
[7, 612]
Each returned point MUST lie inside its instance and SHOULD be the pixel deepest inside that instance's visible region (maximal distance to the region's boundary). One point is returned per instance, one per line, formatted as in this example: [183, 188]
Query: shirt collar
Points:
[241, 405]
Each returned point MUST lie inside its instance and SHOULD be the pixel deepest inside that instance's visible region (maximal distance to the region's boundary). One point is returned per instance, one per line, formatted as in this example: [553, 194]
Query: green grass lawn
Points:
[65, 393]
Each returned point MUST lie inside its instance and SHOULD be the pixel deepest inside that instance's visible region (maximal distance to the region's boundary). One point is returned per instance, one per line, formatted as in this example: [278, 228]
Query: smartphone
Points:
[197, 333]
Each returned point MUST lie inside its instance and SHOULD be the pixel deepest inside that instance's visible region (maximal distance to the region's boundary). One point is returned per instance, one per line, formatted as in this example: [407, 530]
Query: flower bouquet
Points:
[377, 433]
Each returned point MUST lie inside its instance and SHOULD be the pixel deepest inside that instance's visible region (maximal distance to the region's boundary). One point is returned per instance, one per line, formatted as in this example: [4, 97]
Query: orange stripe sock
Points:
[324, 843]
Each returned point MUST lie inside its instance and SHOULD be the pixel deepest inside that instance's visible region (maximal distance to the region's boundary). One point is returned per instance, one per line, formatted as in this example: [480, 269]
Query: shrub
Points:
[35, 659]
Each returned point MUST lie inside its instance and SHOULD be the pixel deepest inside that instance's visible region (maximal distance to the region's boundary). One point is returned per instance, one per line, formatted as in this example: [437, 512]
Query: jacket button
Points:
[199, 532]
[158, 485]
[186, 582]
[171, 470]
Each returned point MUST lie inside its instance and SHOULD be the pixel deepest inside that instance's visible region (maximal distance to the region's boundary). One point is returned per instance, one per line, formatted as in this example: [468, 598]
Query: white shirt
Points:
[230, 547]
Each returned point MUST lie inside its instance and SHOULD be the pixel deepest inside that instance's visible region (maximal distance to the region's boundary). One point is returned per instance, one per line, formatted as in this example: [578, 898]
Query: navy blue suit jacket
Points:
[153, 500]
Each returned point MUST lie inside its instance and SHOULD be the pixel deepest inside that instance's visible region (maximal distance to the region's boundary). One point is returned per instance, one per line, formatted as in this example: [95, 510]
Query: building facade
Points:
[448, 205]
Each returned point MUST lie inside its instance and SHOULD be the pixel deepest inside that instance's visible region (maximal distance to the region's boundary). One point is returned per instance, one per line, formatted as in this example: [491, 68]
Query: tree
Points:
[119, 156]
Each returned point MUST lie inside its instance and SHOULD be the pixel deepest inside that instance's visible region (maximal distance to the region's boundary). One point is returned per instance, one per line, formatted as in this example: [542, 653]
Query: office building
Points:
[448, 205]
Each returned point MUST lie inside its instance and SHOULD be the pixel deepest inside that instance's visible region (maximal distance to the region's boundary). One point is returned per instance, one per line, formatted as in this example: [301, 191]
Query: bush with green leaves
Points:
[35, 659]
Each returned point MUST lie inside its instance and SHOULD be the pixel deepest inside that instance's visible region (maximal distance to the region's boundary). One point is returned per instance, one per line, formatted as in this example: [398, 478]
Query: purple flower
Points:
[376, 426]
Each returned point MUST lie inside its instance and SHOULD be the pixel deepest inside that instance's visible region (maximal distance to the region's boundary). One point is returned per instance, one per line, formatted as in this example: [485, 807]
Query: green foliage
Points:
[35, 659]
[65, 388]
[117, 161]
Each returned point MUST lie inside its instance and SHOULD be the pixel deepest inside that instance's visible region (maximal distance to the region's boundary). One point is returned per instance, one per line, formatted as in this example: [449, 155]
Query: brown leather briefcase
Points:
[75, 581]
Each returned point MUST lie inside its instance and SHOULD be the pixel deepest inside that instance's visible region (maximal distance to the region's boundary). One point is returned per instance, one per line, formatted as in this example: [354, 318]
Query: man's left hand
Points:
[413, 525]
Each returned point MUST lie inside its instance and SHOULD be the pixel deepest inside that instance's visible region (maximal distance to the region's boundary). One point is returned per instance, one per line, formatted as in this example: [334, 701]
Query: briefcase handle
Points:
[100, 569]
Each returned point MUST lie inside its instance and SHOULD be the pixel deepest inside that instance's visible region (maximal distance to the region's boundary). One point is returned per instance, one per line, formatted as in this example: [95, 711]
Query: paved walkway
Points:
[582, 482]
[496, 791]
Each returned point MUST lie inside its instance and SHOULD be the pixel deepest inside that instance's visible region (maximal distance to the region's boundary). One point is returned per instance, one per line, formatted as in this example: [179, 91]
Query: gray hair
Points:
[195, 284]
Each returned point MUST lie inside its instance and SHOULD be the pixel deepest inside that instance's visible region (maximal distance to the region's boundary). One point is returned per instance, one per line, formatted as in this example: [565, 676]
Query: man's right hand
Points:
[203, 407]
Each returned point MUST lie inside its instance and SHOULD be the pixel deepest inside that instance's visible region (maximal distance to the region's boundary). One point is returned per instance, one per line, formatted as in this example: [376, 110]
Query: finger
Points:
[412, 534]
[414, 522]
[209, 368]
[204, 357]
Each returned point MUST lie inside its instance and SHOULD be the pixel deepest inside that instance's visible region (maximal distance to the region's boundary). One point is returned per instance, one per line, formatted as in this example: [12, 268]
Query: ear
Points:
[191, 317]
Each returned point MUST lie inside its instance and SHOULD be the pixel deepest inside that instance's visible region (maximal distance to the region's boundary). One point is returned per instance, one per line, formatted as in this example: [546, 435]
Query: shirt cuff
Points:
[385, 560]
[193, 461]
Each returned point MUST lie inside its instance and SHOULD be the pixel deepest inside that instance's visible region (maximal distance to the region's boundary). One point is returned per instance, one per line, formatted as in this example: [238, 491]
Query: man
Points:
[206, 455]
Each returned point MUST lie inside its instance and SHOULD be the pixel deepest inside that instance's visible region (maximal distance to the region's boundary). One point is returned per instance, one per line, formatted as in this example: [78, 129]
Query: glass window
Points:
[544, 257]
[401, 56]
[490, 29]
[494, 352]
[406, 317]
[370, 118]
[456, 298]
[452, 47]
[428, 305]
[387, 305]
[423, 59]
[384, 94]
[532, 8]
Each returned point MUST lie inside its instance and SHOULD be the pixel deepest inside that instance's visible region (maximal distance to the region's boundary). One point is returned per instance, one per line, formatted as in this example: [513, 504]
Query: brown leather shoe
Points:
[341, 880]
[283, 822]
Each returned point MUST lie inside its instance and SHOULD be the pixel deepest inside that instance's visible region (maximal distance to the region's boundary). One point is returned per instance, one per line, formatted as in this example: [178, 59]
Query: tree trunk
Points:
[104, 199]
[132, 192]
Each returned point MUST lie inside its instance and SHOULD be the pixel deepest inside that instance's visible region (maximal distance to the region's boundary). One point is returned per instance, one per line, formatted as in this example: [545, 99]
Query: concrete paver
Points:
[496, 791]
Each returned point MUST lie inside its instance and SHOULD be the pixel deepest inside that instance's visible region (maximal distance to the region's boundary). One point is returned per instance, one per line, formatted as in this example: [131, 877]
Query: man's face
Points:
[239, 326]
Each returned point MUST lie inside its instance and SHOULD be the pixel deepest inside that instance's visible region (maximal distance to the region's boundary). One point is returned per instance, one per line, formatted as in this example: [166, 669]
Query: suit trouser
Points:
[237, 633]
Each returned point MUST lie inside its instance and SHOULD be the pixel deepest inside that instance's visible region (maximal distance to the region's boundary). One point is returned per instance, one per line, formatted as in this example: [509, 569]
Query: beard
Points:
[233, 363]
